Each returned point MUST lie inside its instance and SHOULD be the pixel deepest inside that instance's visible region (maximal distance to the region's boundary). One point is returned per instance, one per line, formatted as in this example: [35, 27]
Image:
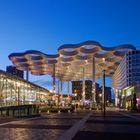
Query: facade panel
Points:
[16, 91]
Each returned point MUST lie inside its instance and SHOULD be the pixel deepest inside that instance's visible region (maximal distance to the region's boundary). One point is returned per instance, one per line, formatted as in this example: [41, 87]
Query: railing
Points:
[19, 111]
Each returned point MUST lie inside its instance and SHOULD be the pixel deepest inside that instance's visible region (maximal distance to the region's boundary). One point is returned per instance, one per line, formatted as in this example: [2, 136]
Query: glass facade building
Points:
[128, 72]
[127, 76]
[133, 68]
[17, 91]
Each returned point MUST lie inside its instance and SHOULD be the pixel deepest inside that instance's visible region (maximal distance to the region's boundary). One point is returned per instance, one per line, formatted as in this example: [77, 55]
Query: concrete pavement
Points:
[114, 126]
[76, 126]
[46, 127]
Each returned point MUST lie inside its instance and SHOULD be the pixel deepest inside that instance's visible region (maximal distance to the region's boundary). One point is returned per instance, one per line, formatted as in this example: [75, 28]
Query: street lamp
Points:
[100, 97]
[75, 94]
[100, 101]
[103, 92]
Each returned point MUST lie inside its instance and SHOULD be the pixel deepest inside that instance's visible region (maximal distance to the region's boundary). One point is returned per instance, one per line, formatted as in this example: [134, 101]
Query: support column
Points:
[116, 97]
[61, 88]
[18, 103]
[68, 90]
[103, 93]
[54, 82]
[11, 95]
[93, 82]
[27, 75]
[6, 93]
[83, 87]
[58, 88]
[18, 94]
[58, 97]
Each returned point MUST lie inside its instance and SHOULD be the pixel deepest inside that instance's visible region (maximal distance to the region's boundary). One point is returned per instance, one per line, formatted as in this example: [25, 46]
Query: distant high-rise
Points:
[14, 71]
[108, 94]
[77, 89]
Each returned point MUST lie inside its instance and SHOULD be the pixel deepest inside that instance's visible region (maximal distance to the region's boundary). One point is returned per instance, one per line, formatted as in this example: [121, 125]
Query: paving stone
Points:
[47, 127]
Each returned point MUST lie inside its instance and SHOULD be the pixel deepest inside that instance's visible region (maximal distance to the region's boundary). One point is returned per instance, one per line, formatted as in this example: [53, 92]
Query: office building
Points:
[126, 77]
[77, 89]
[128, 72]
[14, 71]
[108, 94]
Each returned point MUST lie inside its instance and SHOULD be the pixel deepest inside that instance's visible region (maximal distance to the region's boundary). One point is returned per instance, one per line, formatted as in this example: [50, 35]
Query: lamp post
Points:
[100, 97]
[100, 101]
[68, 91]
[103, 93]
[75, 95]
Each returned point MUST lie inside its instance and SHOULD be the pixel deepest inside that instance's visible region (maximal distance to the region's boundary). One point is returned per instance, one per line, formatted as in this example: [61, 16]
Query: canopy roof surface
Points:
[71, 59]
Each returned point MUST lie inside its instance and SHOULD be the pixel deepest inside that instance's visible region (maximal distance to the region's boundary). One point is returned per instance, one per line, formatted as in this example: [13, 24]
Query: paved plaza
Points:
[116, 125]
[46, 127]
[76, 126]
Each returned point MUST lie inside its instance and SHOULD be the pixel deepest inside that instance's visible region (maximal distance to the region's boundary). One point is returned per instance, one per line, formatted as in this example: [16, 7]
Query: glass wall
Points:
[16, 91]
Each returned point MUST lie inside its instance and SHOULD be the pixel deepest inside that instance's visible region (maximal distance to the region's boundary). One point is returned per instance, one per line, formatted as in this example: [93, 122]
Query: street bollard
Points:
[75, 110]
[48, 112]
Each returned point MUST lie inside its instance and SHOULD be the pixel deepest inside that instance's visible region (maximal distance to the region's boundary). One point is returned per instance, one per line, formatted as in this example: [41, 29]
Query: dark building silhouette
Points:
[108, 98]
[98, 93]
[14, 71]
[108, 94]
[77, 89]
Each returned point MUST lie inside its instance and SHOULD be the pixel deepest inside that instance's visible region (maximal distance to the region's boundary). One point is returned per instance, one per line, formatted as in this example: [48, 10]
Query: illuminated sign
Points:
[128, 92]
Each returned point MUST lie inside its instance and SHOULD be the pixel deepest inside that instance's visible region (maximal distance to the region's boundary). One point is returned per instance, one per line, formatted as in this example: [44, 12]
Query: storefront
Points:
[17, 91]
[132, 95]
[137, 91]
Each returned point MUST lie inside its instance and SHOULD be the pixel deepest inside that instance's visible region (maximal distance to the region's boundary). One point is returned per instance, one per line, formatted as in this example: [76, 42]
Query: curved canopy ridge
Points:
[71, 59]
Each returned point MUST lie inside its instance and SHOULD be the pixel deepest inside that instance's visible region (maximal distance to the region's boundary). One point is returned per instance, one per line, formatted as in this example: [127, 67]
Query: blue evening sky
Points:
[45, 25]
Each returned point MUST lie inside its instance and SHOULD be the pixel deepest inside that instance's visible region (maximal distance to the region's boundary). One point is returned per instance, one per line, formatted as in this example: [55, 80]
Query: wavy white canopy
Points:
[71, 59]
